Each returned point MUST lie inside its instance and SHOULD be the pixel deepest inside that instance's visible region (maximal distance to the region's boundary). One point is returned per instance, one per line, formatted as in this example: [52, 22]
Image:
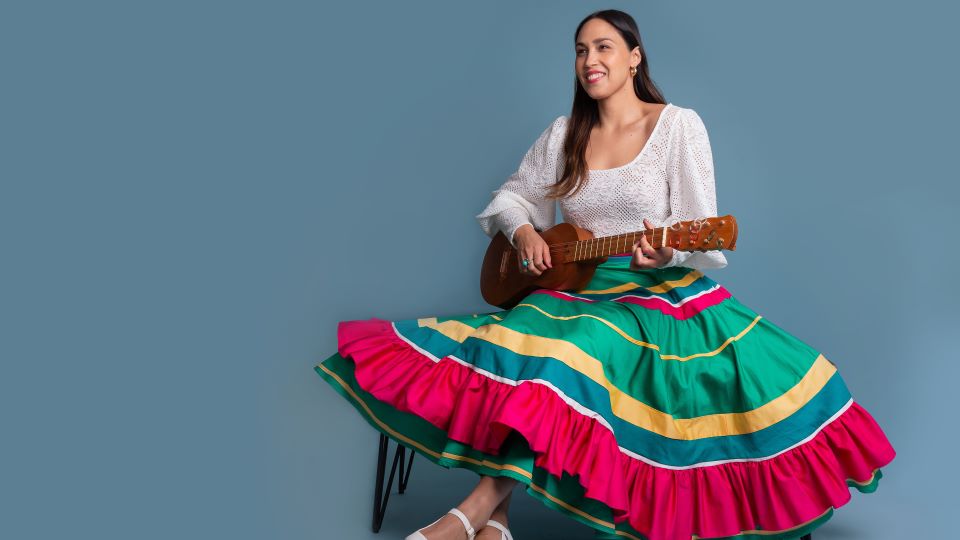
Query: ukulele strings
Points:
[564, 245]
[695, 223]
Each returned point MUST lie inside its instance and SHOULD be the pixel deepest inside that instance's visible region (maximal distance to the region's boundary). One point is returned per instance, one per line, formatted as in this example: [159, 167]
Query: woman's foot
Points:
[449, 527]
[479, 506]
[499, 514]
[491, 533]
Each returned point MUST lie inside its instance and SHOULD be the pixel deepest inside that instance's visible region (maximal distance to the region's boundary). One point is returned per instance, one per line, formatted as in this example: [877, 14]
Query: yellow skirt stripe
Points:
[663, 287]
[635, 341]
[485, 463]
[636, 412]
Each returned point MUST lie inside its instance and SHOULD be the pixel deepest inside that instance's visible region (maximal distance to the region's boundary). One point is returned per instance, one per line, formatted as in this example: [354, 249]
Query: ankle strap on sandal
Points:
[500, 527]
[466, 522]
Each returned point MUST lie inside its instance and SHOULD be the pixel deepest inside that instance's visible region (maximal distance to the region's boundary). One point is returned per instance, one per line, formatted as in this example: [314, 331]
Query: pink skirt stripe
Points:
[776, 494]
[687, 308]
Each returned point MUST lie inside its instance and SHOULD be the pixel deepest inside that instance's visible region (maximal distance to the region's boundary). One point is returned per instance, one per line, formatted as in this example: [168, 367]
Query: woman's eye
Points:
[581, 51]
[600, 47]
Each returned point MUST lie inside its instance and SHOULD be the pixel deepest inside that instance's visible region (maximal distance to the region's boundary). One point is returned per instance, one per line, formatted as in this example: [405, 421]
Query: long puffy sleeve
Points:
[521, 199]
[692, 187]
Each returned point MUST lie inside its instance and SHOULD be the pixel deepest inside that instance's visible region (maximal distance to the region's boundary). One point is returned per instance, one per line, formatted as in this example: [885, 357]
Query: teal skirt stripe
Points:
[676, 294]
[686, 337]
[712, 356]
[564, 494]
[688, 389]
[781, 435]
[616, 271]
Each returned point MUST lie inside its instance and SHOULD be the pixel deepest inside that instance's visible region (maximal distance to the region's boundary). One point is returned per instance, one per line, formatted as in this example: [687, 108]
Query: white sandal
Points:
[460, 515]
[504, 531]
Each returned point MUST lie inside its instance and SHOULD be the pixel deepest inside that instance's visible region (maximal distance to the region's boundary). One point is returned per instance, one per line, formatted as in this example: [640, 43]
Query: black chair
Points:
[381, 495]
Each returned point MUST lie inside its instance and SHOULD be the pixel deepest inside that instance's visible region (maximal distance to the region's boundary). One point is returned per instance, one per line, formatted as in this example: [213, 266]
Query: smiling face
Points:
[603, 60]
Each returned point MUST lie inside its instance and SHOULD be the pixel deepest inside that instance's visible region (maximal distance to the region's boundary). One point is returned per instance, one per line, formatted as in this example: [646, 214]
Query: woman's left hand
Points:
[646, 256]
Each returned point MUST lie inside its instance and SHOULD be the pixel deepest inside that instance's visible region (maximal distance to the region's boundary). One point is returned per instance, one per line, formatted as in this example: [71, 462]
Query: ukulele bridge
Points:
[504, 262]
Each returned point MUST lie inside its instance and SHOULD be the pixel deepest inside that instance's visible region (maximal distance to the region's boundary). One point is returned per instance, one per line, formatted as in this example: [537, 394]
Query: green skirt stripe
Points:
[664, 450]
[617, 273]
[690, 339]
[563, 494]
[735, 380]
[610, 277]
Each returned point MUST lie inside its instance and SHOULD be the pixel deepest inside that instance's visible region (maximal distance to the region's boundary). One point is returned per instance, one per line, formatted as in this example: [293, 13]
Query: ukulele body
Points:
[503, 285]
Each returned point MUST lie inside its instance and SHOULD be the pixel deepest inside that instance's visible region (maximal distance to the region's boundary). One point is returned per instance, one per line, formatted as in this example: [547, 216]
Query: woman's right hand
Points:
[531, 246]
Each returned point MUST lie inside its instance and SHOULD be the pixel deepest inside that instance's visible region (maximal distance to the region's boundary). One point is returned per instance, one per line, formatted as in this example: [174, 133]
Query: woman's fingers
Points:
[642, 256]
[637, 258]
[541, 256]
[653, 255]
[524, 255]
[532, 267]
[647, 248]
[647, 256]
[644, 247]
[536, 251]
[538, 257]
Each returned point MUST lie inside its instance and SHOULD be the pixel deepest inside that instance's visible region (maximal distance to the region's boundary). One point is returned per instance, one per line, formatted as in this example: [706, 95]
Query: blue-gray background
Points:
[194, 193]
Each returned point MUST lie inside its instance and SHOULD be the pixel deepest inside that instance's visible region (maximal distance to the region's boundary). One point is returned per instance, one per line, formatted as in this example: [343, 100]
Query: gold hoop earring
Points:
[633, 72]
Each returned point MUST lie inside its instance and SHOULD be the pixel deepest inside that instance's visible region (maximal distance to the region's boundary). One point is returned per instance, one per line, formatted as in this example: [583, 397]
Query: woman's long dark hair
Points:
[585, 113]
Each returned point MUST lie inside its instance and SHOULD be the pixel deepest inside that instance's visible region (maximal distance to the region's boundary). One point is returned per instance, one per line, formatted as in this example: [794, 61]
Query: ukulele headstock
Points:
[704, 234]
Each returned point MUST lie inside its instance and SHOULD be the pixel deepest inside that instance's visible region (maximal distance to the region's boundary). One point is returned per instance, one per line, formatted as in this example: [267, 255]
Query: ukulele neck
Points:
[702, 234]
[595, 248]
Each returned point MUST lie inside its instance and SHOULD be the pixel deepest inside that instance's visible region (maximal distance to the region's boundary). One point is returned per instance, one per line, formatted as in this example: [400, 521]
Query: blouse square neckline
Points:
[643, 151]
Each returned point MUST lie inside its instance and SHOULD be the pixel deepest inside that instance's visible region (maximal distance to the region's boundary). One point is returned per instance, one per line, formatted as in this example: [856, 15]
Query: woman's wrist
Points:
[520, 232]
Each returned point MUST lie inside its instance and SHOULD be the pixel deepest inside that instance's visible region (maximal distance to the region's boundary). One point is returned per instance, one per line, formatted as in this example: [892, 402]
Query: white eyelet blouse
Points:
[670, 180]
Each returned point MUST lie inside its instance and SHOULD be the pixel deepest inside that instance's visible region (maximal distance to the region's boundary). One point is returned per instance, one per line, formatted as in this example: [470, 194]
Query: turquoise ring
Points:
[526, 263]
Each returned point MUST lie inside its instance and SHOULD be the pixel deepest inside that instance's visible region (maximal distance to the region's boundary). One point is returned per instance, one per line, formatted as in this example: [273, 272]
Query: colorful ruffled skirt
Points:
[649, 405]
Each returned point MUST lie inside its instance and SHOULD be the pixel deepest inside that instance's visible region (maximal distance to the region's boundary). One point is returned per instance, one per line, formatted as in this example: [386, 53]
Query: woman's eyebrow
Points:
[598, 40]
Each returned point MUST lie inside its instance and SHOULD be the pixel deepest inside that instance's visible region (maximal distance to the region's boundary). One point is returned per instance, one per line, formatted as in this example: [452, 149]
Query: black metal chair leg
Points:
[381, 495]
[404, 478]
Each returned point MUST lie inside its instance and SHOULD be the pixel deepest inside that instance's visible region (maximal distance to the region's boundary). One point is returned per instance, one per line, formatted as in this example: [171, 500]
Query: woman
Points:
[650, 404]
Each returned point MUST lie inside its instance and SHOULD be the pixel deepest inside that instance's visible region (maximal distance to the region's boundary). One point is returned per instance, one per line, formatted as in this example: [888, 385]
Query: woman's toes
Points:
[488, 533]
[445, 528]
[448, 527]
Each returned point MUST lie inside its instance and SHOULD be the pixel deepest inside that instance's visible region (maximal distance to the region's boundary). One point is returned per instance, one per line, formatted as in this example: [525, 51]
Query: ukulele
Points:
[575, 254]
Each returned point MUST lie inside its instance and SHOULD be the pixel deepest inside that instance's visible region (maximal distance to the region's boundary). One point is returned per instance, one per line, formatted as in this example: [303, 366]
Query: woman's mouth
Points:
[594, 77]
